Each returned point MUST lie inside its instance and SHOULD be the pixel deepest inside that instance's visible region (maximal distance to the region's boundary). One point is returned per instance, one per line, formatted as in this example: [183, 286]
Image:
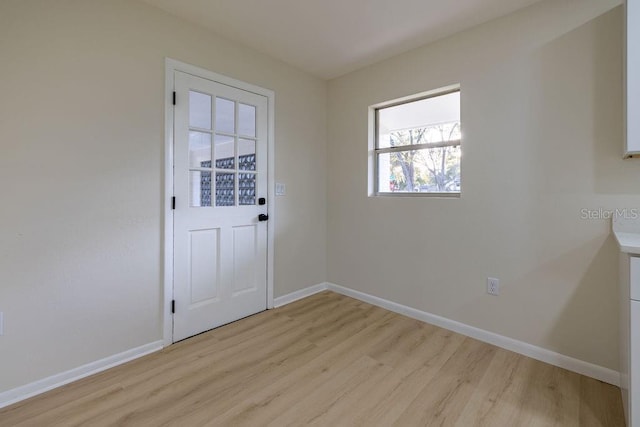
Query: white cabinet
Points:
[630, 337]
[632, 73]
[634, 357]
[627, 234]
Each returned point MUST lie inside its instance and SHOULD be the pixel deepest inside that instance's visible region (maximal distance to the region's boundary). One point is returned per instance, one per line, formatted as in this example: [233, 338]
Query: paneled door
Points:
[220, 187]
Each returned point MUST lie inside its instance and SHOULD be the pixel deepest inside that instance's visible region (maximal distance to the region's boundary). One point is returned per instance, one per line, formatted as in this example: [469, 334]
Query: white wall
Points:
[81, 175]
[542, 137]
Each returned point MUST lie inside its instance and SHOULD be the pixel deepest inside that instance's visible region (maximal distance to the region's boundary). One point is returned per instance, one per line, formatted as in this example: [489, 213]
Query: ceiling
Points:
[329, 38]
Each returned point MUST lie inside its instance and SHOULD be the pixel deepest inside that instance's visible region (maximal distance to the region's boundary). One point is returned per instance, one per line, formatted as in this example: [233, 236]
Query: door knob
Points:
[263, 217]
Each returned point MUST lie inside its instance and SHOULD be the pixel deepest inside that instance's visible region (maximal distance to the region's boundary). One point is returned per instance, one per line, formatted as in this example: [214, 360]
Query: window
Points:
[416, 148]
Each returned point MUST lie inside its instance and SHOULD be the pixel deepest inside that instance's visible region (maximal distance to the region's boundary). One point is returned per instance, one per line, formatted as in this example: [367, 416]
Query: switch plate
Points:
[493, 286]
[281, 189]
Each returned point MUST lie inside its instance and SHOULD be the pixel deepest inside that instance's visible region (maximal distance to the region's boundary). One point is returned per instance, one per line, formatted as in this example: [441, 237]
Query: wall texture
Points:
[542, 140]
[81, 173]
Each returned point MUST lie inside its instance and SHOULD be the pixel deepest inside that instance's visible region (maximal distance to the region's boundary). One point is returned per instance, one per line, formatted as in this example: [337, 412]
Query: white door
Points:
[220, 187]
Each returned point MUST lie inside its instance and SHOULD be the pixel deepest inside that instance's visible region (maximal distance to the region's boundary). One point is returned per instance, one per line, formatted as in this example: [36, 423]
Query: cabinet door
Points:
[632, 71]
[634, 387]
[634, 278]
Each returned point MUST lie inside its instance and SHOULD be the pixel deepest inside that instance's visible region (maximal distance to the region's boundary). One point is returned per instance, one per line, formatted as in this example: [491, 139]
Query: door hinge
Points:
[174, 98]
[173, 306]
[173, 202]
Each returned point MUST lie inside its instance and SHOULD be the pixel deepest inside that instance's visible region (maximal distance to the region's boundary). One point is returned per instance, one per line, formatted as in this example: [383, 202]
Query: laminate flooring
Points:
[327, 360]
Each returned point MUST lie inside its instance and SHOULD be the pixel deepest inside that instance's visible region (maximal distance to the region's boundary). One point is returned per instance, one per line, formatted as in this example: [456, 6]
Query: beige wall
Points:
[81, 172]
[542, 139]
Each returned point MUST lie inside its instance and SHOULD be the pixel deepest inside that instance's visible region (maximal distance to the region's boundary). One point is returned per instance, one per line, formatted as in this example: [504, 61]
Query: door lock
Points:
[263, 217]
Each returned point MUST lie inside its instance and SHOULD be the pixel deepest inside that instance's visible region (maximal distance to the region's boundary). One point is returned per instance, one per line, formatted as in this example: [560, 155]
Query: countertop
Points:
[628, 242]
[627, 233]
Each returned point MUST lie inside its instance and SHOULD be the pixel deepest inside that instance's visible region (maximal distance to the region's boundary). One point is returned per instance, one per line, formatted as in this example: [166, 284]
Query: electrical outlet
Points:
[493, 286]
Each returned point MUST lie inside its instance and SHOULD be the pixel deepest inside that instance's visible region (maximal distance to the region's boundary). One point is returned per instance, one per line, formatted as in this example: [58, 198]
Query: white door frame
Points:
[171, 66]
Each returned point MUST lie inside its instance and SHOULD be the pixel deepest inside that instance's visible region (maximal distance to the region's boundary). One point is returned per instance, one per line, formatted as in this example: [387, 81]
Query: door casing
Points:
[171, 66]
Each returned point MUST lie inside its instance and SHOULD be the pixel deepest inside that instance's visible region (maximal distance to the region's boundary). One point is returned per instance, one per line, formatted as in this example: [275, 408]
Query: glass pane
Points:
[199, 110]
[225, 152]
[430, 120]
[247, 120]
[247, 188]
[225, 115]
[432, 170]
[225, 189]
[200, 188]
[247, 154]
[199, 149]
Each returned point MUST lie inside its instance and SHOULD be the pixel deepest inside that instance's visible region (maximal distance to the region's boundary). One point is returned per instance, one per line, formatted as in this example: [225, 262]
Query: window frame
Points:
[374, 151]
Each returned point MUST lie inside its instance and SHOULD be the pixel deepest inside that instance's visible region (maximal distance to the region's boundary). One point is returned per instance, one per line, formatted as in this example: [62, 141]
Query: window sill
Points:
[417, 194]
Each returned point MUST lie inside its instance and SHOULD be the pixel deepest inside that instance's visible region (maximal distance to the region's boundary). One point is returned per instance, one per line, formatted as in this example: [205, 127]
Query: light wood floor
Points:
[327, 360]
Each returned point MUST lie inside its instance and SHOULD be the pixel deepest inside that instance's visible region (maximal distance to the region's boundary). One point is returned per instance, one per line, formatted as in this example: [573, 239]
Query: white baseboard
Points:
[572, 364]
[302, 293]
[29, 390]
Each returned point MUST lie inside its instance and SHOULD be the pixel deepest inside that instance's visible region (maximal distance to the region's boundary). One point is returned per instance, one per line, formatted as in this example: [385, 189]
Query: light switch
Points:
[281, 189]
